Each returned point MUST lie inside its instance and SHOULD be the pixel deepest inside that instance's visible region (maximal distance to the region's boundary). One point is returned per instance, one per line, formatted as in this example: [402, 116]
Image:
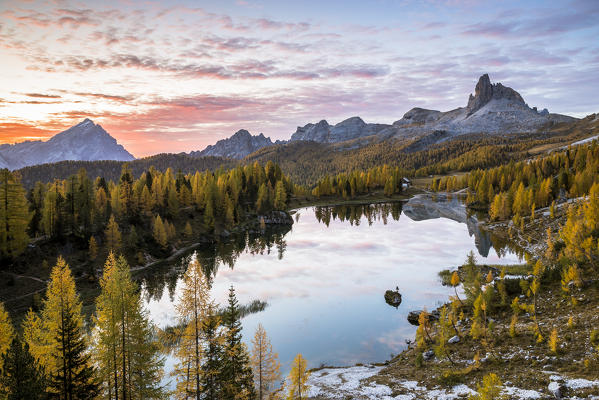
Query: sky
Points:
[179, 75]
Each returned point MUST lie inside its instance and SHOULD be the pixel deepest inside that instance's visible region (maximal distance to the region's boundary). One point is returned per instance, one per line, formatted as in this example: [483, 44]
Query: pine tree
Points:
[192, 309]
[237, 375]
[265, 364]
[113, 235]
[298, 378]
[14, 216]
[22, 377]
[127, 353]
[56, 338]
[211, 382]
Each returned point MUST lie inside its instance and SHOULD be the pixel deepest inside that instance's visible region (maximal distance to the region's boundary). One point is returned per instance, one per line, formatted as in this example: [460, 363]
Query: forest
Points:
[103, 215]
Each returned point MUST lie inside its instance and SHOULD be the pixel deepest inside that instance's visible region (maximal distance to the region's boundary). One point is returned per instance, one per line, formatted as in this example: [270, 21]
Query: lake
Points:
[324, 280]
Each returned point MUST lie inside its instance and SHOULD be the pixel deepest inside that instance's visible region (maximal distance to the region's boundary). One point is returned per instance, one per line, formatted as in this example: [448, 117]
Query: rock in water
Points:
[393, 298]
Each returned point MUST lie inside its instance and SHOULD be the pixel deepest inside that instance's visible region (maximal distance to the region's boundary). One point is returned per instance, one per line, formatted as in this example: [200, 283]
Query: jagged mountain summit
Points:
[493, 109]
[85, 141]
[237, 146]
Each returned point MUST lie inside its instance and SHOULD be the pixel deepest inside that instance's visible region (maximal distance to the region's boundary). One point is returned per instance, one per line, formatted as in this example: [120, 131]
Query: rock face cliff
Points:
[85, 141]
[237, 146]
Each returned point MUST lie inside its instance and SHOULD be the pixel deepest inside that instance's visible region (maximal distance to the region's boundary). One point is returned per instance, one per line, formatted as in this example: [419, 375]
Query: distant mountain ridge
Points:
[85, 141]
[237, 146]
[493, 109]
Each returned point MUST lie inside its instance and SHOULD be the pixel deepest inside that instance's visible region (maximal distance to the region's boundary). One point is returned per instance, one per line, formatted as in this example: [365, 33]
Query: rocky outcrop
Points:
[85, 141]
[484, 92]
[237, 146]
[493, 109]
[276, 218]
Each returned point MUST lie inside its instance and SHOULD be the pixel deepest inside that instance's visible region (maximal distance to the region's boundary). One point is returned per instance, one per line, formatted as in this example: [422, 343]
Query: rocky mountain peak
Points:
[85, 141]
[241, 134]
[237, 146]
[484, 92]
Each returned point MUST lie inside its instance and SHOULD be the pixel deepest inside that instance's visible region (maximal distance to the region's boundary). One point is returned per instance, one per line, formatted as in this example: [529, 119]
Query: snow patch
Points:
[515, 392]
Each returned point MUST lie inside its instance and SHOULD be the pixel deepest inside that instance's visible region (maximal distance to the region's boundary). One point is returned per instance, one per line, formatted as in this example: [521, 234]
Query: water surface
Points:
[324, 280]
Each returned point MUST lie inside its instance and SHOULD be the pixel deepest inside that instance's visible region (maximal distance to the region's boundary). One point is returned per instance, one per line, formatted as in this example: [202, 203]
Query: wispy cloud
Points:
[182, 76]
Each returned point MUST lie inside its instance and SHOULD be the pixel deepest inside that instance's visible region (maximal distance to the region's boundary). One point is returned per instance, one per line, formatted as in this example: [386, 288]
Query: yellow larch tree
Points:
[298, 379]
[6, 332]
[57, 340]
[265, 364]
[192, 308]
[113, 235]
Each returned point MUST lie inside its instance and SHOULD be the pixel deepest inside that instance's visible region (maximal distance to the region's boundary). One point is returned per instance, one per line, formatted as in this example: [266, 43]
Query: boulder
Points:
[453, 339]
[393, 298]
[428, 355]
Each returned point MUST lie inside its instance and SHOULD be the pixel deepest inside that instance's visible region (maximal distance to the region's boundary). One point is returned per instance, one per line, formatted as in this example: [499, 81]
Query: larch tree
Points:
[113, 235]
[57, 340]
[127, 354]
[280, 196]
[298, 379]
[192, 308]
[6, 332]
[159, 232]
[265, 364]
[237, 374]
[14, 216]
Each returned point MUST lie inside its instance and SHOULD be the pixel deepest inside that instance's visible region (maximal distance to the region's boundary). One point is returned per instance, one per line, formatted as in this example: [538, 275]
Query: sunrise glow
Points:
[177, 76]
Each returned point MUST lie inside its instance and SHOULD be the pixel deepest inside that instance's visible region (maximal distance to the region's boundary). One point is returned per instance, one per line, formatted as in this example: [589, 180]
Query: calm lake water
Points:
[324, 280]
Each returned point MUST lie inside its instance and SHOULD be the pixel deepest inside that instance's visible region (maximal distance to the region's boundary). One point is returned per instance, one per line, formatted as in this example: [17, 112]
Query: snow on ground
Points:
[517, 393]
[342, 383]
[583, 141]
